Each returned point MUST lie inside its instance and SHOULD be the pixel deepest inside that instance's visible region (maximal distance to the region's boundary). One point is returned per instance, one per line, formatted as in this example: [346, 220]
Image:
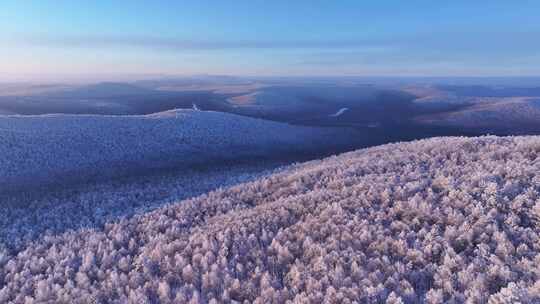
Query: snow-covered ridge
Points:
[505, 113]
[446, 220]
[36, 150]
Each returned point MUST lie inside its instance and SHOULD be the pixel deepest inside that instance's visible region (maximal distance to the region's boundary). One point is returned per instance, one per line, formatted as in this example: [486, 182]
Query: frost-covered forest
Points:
[59, 149]
[92, 205]
[446, 220]
[269, 152]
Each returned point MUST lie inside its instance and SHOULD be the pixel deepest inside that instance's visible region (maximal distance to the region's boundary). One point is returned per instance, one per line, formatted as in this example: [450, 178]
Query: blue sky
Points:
[400, 38]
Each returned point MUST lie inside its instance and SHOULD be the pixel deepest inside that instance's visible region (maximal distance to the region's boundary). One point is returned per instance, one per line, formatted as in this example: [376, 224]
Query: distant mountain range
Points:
[103, 90]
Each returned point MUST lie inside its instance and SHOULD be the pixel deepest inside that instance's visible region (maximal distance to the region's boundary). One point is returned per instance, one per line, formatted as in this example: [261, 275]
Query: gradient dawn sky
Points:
[54, 39]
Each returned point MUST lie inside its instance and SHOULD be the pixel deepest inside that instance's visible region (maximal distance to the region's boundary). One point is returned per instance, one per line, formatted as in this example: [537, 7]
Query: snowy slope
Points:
[446, 220]
[38, 150]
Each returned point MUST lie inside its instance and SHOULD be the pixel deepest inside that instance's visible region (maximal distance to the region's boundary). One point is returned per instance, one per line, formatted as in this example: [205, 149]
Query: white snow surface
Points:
[340, 112]
[59, 149]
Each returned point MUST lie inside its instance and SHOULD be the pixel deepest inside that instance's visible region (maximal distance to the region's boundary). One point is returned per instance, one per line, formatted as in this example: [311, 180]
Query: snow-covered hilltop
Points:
[446, 220]
[42, 150]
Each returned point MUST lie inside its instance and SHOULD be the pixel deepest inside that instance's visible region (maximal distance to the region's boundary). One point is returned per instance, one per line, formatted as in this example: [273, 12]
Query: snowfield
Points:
[58, 149]
[340, 112]
[446, 220]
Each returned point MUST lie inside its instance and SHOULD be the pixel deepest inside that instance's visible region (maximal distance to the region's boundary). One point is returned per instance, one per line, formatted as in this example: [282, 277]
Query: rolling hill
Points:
[58, 149]
[445, 220]
[514, 115]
